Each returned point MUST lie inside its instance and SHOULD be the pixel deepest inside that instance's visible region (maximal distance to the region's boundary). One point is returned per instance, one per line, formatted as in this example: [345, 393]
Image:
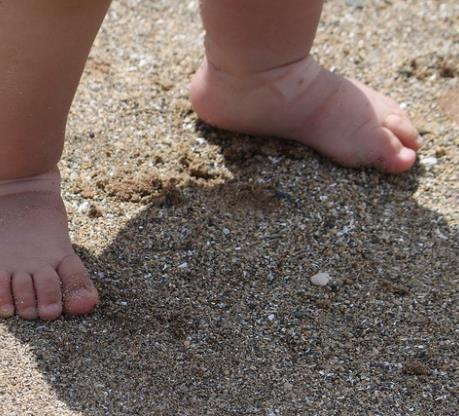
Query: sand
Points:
[202, 243]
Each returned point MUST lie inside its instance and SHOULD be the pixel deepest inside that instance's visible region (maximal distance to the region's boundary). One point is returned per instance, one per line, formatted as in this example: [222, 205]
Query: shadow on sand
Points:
[207, 308]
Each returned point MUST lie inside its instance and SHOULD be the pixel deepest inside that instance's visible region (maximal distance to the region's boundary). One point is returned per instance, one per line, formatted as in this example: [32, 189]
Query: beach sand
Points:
[202, 242]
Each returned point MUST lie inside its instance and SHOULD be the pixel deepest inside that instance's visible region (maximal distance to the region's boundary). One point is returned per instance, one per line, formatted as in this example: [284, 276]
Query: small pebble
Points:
[301, 314]
[183, 265]
[83, 207]
[429, 161]
[320, 279]
[94, 211]
[355, 3]
[272, 317]
[226, 231]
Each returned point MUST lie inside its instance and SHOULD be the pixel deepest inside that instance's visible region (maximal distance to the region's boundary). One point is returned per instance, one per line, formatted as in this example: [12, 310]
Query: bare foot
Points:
[340, 118]
[40, 274]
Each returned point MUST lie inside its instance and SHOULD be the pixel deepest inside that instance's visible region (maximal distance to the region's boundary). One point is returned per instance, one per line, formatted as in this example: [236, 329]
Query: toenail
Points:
[82, 293]
[81, 301]
[51, 310]
[6, 311]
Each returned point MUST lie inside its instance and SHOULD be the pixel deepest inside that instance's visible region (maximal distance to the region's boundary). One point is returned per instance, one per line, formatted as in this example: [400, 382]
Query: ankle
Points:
[243, 70]
[300, 73]
[29, 158]
[46, 182]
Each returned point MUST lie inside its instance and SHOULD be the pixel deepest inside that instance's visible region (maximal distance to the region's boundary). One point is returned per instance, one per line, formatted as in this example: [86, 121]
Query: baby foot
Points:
[40, 274]
[340, 118]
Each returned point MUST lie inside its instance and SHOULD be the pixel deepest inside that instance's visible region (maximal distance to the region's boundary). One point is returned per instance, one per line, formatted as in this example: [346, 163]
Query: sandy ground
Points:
[202, 243]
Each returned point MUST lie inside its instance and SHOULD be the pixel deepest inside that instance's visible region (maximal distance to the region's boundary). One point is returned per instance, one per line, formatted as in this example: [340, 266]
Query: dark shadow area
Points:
[207, 306]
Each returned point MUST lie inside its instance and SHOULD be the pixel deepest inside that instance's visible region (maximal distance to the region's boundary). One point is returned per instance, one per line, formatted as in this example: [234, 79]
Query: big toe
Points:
[79, 293]
[401, 126]
[393, 156]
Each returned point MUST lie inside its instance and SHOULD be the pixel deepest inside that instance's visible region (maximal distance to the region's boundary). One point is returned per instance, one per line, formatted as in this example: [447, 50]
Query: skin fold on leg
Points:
[44, 47]
[258, 78]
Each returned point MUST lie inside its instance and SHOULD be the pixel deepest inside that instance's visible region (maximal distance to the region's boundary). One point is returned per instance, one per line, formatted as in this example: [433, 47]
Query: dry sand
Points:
[202, 243]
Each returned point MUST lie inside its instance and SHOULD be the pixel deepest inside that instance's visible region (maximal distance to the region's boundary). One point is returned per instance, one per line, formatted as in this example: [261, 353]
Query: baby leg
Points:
[259, 78]
[44, 46]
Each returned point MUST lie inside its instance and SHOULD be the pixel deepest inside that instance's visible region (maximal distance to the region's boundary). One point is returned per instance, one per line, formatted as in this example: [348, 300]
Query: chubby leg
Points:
[259, 78]
[44, 47]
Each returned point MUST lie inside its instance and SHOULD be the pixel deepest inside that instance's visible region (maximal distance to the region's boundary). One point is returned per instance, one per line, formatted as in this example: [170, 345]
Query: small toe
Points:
[393, 156]
[24, 295]
[6, 297]
[48, 293]
[402, 127]
[79, 293]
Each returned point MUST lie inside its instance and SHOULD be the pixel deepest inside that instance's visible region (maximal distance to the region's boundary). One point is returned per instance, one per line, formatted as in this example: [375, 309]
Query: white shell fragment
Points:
[429, 161]
[320, 279]
[83, 207]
